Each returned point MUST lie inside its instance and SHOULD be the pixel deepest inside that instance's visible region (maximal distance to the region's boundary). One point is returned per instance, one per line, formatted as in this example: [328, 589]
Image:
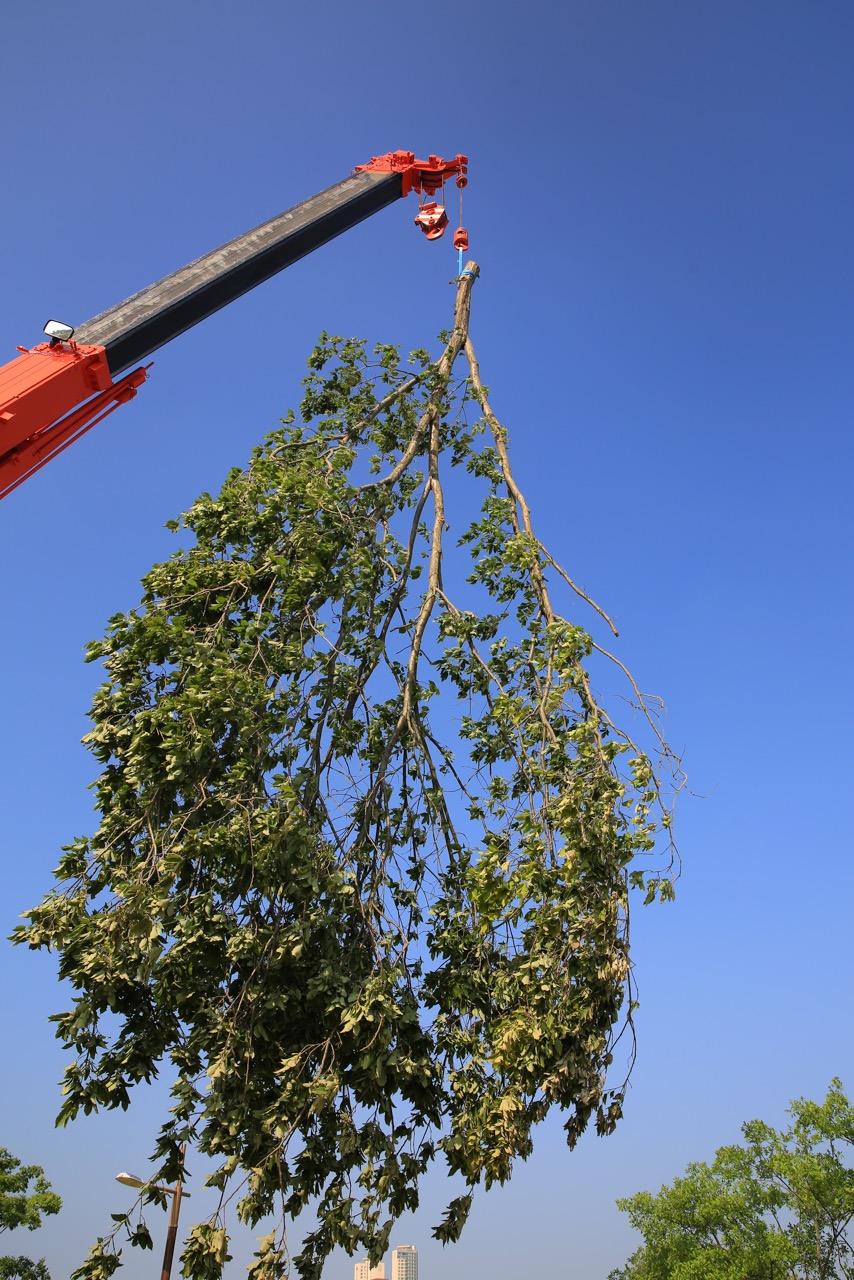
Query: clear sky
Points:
[661, 202]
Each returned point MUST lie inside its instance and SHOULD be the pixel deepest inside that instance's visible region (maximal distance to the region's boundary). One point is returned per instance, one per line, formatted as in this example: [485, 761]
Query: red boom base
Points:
[45, 386]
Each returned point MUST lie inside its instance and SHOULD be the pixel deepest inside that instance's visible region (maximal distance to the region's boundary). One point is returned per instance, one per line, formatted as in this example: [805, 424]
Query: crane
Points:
[52, 393]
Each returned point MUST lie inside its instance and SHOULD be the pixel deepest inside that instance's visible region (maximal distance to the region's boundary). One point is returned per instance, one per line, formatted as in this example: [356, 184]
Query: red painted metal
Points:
[461, 239]
[46, 403]
[432, 219]
[46, 383]
[419, 175]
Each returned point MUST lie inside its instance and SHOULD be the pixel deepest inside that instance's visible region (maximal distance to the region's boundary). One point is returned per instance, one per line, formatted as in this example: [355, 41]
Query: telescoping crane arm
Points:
[55, 391]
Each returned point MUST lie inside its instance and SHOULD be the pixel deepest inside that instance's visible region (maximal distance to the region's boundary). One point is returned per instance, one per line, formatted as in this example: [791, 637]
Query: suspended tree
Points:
[367, 833]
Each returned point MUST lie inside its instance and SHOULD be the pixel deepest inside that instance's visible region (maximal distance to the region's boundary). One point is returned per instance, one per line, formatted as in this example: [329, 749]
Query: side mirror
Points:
[59, 331]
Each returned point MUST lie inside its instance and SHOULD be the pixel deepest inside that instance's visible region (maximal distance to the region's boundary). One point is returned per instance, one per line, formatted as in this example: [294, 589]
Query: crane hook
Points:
[432, 219]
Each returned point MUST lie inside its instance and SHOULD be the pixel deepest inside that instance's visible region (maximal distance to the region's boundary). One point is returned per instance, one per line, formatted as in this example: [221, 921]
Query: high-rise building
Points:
[404, 1263]
[404, 1266]
[364, 1271]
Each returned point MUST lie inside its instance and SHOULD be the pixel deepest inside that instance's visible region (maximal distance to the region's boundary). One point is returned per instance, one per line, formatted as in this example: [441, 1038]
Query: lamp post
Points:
[178, 1194]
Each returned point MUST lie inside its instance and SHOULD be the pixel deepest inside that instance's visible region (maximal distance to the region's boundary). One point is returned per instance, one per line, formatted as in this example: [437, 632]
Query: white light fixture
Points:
[56, 329]
[178, 1194]
[131, 1180]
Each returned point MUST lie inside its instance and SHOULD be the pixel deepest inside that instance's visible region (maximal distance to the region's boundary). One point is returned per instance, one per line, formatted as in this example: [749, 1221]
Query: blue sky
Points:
[661, 203]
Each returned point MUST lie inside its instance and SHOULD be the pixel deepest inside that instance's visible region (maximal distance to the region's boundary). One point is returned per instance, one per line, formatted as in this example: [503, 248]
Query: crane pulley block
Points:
[419, 175]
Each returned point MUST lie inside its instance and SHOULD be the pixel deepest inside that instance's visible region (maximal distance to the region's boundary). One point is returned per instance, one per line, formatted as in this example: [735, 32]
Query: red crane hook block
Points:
[432, 219]
[461, 239]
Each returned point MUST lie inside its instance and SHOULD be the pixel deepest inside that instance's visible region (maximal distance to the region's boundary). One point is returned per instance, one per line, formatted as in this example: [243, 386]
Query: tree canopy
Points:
[367, 833]
[25, 1196]
[780, 1205]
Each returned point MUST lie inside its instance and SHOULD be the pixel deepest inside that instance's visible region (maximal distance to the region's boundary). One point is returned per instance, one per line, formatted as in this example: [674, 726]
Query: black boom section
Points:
[134, 328]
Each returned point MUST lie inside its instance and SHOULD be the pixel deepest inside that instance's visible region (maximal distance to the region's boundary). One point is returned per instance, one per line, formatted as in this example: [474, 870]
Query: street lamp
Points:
[178, 1194]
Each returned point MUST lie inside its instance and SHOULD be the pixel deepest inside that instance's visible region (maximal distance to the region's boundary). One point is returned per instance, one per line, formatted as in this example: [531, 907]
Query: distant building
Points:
[364, 1271]
[404, 1266]
[404, 1263]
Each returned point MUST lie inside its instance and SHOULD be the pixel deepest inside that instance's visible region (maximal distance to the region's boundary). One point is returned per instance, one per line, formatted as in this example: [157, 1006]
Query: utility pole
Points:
[177, 1193]
[172, 1232]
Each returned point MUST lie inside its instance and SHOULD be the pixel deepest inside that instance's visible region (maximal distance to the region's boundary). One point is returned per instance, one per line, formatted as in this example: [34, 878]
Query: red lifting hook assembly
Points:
[432, 219]
[426, 177]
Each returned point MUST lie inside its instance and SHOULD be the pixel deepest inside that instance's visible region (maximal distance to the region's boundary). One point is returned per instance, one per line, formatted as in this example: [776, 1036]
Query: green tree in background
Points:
[780, 1205]
[25, 1195]
[367, 832]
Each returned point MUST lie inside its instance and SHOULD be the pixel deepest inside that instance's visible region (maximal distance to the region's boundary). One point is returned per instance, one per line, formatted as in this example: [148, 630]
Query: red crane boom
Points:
[54, 392]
